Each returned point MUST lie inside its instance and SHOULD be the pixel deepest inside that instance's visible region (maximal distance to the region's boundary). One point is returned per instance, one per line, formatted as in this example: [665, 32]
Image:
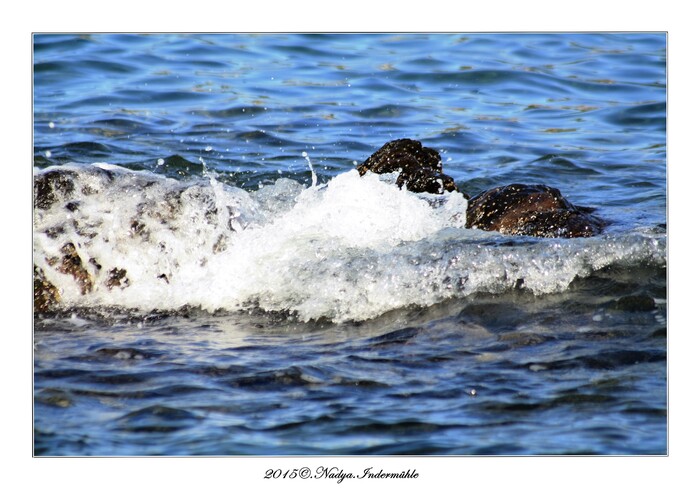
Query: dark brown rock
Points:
[117, 278]
[636, 303]
[531, 210]
[46, 295]
[53, 186]
[420, 167]
[72, 264]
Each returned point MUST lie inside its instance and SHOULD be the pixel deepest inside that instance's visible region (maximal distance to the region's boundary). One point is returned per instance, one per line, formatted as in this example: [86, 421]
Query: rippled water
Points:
[240, 303]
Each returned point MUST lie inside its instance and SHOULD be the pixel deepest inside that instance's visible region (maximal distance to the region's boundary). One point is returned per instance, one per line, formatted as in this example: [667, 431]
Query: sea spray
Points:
[351, 249]
[314, 178]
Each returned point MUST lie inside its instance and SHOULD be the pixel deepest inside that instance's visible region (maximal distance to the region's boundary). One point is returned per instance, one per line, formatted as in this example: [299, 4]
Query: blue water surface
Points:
[507, 373]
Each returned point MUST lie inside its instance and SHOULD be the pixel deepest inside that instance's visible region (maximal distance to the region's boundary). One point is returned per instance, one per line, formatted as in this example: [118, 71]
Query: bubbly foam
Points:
[348, 250]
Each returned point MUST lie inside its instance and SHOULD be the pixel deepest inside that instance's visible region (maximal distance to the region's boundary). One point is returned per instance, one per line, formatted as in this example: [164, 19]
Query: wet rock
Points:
[117, 278]
[519, 339]
[420, 167]
[72, 206]
[220, 245]
[659, 333]
[531, 210]
[138, 228]
[636, 303]
[54, 398]
[72, 264]
[517, 209]
[46, 295]
[53, 186]
[55, 231]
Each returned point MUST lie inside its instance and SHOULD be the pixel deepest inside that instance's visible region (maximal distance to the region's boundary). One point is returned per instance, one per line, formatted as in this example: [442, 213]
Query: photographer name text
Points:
[338, 474]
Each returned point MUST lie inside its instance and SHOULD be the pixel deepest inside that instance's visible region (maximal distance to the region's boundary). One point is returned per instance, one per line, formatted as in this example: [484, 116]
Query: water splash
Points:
[348, 250]
[314, 178]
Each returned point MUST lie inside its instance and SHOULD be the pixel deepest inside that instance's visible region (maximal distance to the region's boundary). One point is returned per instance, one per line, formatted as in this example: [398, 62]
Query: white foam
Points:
[348, 250]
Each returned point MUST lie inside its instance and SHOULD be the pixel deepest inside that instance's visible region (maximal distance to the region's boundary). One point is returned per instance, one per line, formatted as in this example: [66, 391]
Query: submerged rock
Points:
[636, 303]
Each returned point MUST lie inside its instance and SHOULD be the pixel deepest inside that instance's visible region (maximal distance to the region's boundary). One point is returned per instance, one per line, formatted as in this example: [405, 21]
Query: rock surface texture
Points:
[530, 210]
[420, 167]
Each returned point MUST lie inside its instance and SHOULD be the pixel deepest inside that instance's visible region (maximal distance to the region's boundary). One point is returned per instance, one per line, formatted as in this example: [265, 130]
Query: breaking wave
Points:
[350, 249]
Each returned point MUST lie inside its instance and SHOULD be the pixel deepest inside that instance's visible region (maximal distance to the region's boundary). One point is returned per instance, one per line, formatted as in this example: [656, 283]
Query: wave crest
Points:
[348, 250]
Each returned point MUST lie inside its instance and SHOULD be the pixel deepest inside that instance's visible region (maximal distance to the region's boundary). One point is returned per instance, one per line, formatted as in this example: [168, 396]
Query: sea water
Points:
[269, 300]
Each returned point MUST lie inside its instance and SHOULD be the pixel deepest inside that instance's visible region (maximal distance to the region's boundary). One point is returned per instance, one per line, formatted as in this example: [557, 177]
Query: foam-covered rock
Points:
[516, 209]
